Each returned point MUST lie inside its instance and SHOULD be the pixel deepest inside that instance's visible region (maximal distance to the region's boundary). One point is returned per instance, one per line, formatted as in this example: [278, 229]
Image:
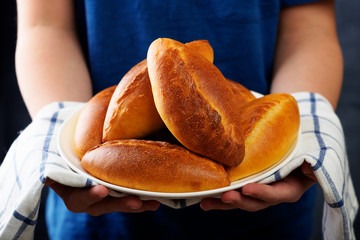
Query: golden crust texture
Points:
[270, 126]
[89, 126]
[132, 112]
[242, 94]
[203, 47]
[178, 95]
[153, 166]
[195, 102]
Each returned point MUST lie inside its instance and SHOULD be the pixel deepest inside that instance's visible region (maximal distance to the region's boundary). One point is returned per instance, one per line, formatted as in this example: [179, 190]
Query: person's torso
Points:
[116, 36]
[242, 34]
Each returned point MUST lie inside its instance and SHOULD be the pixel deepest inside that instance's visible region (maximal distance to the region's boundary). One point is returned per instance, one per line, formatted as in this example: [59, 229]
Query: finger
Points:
[232, 200]
[95, 200]
[290, 189]
[79, 199]
[151, 205]
[269, 193]
[124, 204]
[214, 203]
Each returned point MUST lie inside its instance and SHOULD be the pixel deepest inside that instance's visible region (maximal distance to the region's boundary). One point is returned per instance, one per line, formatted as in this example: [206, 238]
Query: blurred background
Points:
[14, 117]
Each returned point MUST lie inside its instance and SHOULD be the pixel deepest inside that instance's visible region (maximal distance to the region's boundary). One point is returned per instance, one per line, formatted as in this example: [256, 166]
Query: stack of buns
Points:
[222, 132]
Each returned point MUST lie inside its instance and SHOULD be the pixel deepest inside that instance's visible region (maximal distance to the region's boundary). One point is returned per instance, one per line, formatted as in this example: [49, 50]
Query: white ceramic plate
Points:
[67, 151]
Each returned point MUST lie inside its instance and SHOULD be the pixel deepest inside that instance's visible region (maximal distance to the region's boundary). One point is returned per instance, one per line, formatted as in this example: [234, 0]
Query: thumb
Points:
[79, 199]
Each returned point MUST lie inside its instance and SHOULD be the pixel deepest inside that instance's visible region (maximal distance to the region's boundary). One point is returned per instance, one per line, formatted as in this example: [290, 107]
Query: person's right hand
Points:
[95, 200]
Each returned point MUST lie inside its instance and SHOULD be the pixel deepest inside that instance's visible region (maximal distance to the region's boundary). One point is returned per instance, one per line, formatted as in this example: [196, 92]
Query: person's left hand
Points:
[254, 196]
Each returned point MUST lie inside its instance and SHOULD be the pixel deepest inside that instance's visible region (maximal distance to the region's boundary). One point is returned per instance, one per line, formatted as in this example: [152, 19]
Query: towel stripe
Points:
[183, 203]
[48, 138]
[16, 170]
[307, 100]
[327, 135]
[277, 175]
[26, 221]
[319, 164]
[317, 133]
[88, 183]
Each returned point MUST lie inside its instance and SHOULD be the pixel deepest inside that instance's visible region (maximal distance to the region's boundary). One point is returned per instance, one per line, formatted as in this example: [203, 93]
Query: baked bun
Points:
[132, 112]
[270, 126]
[203, 47]
[153, 166]
[195, 101]
[241, 93]
[177, 95]
[89, 126]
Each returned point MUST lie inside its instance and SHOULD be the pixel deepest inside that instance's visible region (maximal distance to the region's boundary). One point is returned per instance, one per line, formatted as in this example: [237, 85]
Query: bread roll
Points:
[203, 47]
[195, 102]
[241, 93]
[153, 166]
[271, 125]
[89, 126]
[132, 112]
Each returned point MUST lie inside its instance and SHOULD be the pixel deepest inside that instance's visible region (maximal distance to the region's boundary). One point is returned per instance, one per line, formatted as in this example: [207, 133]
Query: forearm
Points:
[49, 62]
[308, 56]
[50, 68]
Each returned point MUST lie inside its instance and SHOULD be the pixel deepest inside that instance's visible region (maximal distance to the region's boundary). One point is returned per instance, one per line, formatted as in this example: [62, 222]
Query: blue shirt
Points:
[115, 36]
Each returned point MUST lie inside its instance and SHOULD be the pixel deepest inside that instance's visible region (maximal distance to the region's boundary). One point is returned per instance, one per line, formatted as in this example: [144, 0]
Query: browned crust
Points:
[270, 125]
[203, 47]
[153, 166]
[131, 112]
[208, 114]
[241, 93]
[89, 126]
[195, 102]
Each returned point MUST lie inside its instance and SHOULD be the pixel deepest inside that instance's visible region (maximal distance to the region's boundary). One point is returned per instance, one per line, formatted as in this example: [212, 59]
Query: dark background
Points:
[14, 117]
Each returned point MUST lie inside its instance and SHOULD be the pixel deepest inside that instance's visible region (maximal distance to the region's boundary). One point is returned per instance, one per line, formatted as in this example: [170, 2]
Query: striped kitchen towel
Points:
[34, 156]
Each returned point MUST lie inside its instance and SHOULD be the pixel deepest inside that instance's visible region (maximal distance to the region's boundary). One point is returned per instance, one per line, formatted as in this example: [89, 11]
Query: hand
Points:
[95, 200]
[254, 196]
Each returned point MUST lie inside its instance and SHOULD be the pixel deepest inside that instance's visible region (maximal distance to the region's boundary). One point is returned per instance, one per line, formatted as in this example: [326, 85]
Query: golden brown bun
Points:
[178, 85]
[203, 47]
[89, 126]
[270, 125]
[195, 102]
[132, 112]
[241, 93]
[153, 166]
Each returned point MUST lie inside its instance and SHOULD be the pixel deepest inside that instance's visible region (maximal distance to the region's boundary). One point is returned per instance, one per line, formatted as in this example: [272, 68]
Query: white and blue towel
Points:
[34, 156]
